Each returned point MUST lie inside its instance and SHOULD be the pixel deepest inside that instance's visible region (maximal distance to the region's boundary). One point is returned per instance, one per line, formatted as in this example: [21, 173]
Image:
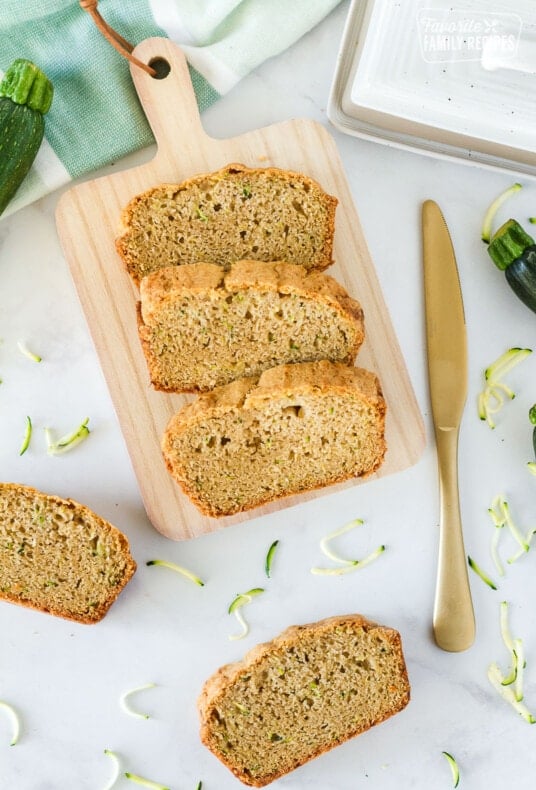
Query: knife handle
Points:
[454, 619]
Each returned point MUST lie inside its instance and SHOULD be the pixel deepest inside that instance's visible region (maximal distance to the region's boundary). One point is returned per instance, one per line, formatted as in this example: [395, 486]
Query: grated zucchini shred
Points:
[124, 700]
[481, 573]
[140, 780]
[27, 436]
[179, 569]
[23, 348]
[270, 558]
[69, 441]
[13, 715]
[491, 398]
[242, 599]
[346, 565]
[117, 768]
[453, 767]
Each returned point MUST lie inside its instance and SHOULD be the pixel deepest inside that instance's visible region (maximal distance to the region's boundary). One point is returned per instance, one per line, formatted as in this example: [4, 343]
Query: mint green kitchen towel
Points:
[95, 117]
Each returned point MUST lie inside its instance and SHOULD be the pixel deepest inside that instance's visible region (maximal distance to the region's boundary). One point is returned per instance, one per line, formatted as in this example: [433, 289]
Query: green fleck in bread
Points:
[295, 428]
[236, 213]
[201, 327]
[59, 557]
[308, 690]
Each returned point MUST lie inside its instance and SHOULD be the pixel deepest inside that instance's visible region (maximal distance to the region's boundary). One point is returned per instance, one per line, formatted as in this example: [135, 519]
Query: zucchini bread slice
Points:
[294, 428]
[201, 327]
[236, 213]
[58, 556]
[308, 690]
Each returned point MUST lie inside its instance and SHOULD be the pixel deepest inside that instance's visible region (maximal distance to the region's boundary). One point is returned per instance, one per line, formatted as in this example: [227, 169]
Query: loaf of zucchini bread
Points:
[294, 428]
[201, 326]
[58, 556]
[236, 213]
[308, 690]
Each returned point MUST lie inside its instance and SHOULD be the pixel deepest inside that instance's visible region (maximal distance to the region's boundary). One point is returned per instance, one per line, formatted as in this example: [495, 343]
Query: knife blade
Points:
[453, 618]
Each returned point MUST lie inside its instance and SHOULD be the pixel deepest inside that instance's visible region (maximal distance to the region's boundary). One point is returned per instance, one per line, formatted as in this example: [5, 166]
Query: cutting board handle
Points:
[169, 103]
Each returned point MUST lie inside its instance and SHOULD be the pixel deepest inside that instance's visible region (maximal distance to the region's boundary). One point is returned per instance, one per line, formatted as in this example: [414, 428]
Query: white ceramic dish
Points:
[447, 80]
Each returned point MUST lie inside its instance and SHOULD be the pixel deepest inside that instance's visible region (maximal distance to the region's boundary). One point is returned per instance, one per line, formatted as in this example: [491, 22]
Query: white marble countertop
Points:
[65, 679]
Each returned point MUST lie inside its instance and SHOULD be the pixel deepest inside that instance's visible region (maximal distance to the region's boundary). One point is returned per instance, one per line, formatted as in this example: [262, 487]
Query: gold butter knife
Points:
[453, 619]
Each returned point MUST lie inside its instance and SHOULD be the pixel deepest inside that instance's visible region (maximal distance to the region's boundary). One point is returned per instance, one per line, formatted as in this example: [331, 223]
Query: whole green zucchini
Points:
[25, 97]
[514, 252]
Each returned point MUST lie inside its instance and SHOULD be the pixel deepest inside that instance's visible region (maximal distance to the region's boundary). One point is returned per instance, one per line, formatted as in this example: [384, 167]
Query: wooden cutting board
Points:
[88, 220]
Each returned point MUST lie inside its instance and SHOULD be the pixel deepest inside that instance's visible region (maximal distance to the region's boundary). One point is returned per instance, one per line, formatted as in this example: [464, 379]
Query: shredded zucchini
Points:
[139, 780]
[123, 701]
[27, 436]
[351, 565]
[517, 656]
[505, 363]
[479, 572]
[516, 534]
[357, 522]
[496, 679]
[270, 558]
[69, 441]
[241, 600]
[117, 768]
[526, 546]
[509, 644]
[491, 398]
[10, 710]
[492, 210]
[27, 353]
[519, 653]
[453, 767]
[179, 569]
[501, 516]
[348, 565]
[495, 549]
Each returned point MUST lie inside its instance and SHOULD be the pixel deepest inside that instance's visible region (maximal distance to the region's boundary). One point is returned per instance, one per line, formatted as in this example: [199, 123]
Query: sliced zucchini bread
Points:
[294, 428]
[236, 213]
[201, 327]
[58, 556]
[308, 690]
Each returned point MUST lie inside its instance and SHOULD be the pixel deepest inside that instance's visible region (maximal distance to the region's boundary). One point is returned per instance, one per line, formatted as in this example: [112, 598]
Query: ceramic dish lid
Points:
[447, 79]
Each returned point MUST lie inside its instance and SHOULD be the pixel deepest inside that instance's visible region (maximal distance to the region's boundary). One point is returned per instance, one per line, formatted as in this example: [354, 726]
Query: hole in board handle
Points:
[161, 66]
